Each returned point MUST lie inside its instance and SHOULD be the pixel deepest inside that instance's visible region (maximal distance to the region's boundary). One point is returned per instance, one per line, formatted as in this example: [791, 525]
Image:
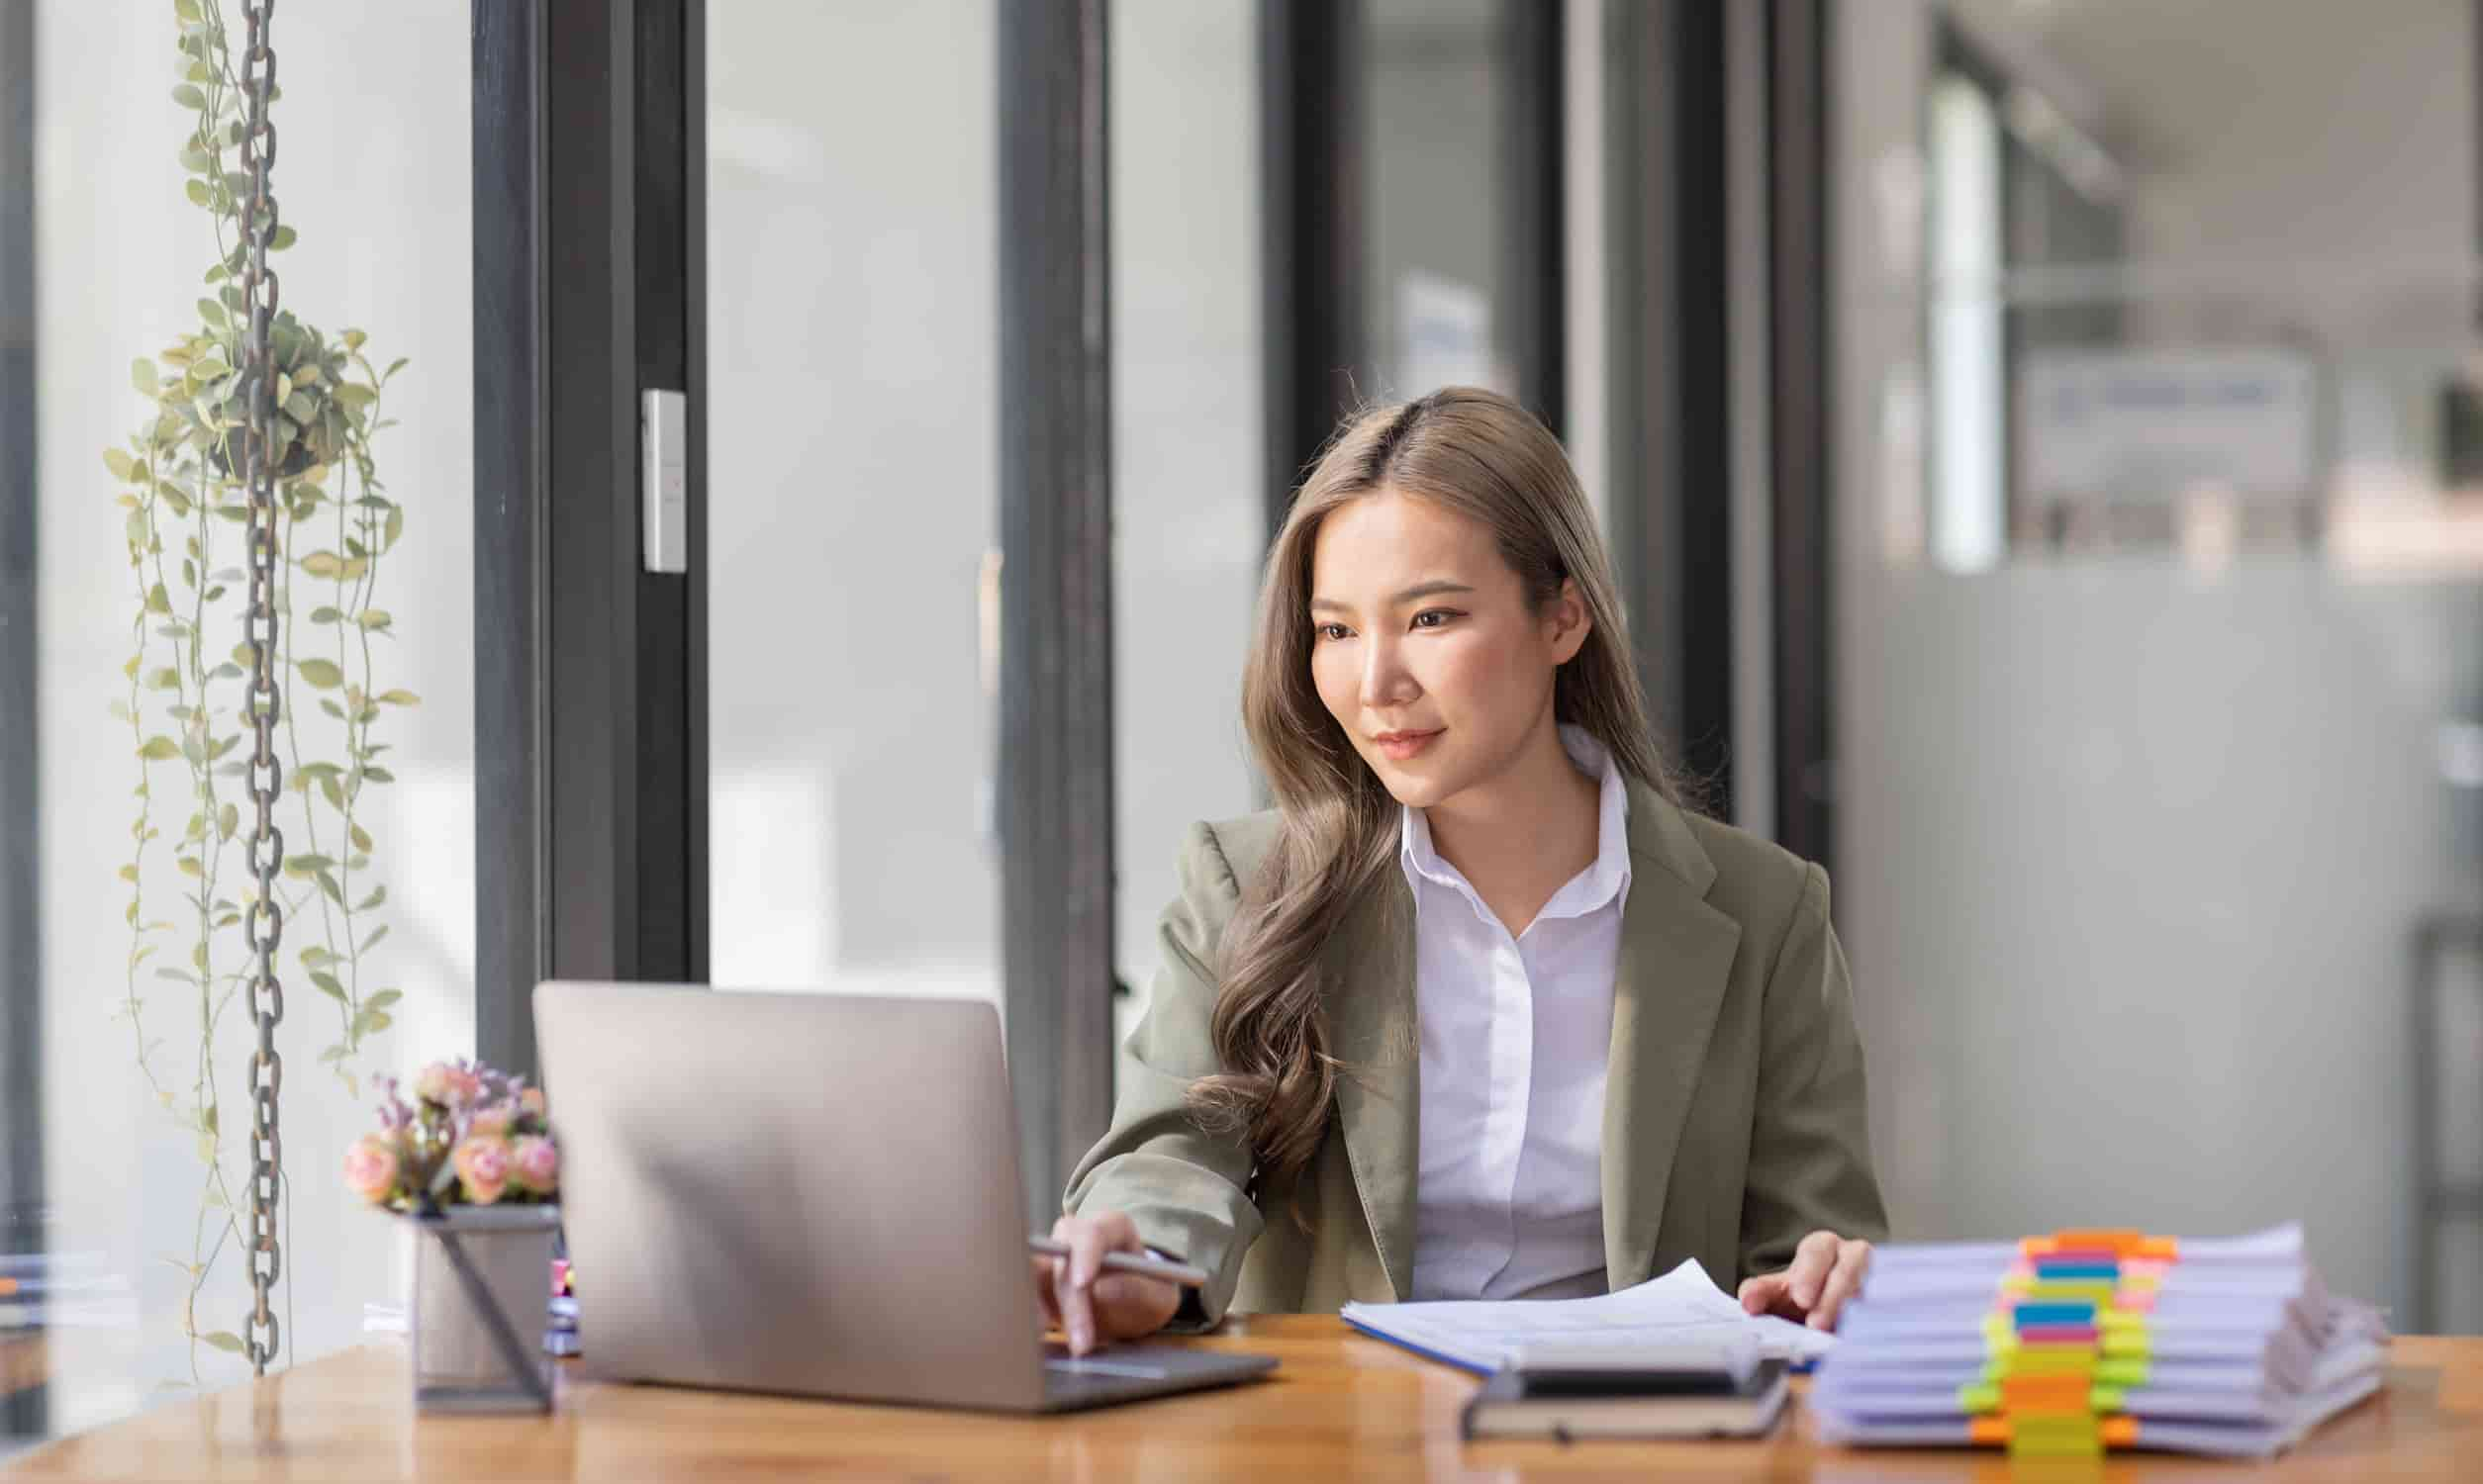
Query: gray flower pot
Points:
[478, 1334]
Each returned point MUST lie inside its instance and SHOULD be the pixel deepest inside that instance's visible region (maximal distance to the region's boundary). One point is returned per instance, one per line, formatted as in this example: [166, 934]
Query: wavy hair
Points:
[1484, 457]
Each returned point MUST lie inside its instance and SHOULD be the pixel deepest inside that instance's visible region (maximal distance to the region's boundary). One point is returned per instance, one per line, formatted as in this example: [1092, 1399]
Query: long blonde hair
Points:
[1483, 456]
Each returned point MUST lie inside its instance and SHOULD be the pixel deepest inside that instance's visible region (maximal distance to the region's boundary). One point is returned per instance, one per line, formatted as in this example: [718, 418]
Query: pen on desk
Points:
[1146, 1268]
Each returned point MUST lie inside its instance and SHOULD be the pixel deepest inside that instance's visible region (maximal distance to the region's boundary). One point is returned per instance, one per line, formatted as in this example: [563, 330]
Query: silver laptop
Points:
[815, 1194]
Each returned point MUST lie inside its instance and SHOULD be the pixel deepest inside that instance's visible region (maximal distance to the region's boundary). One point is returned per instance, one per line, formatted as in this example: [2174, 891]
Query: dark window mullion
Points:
[1672, 373]
[1055, 517]
[591, 821]
[21, 837]
[1315, 235]
[1798, 361]
[1537, 213]
[25, 1411]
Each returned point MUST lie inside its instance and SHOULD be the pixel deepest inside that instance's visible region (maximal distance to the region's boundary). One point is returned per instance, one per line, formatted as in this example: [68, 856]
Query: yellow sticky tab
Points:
[2055, 1447]
[2055, 1436]
[2053, 1360]
[2096, 1292]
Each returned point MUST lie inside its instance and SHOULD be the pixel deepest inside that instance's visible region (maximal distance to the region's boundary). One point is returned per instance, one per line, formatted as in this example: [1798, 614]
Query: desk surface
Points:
[1340, 1405]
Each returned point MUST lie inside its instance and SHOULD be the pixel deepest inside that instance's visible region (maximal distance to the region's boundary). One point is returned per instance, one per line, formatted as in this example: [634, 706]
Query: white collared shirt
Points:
[1515, 1035]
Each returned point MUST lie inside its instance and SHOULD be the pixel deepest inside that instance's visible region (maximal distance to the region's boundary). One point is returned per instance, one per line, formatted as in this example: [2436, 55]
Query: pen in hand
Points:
[1163, 1268]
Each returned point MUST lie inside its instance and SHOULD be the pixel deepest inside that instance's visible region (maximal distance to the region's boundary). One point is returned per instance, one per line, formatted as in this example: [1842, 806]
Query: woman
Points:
[1479, 1009]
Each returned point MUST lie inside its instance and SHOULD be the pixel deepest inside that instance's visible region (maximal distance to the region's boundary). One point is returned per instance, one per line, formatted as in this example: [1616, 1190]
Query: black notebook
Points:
[1569, 1398]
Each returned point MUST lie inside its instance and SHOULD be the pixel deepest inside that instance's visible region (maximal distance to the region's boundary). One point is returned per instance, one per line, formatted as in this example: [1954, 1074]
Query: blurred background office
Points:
[2043, 441]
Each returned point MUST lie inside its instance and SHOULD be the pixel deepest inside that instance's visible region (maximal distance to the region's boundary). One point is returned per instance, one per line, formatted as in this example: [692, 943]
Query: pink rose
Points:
[491, 1122]
[370, 1167]
[447, 1085]
[482, 1167]
[536, 1165]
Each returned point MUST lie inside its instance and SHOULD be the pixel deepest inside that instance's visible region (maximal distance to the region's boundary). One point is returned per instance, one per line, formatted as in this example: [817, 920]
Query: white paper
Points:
[1683, 1307]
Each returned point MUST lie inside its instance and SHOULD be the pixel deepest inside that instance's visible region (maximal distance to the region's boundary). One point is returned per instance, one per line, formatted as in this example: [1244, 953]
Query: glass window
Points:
[139, 844]
[2158, 763]
[1441, 281]
[852, 346]
[1189, 467]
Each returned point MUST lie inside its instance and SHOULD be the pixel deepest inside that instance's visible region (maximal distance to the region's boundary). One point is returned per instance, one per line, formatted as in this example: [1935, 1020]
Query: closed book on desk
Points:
[1518, 1402]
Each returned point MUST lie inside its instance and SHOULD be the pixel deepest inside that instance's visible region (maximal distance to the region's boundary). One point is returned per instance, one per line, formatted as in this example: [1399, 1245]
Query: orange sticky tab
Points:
[2162, 1248]
[2048, 1393]
[7, 1287]
[2118, 1432]
[2099, 1241]
[1987, 1430]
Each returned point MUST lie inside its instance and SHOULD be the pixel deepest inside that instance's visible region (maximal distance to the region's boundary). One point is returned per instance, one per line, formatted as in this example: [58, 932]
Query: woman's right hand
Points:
[1089, 1305]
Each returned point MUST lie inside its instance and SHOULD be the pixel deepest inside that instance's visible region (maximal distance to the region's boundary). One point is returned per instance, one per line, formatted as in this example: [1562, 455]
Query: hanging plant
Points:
[181, 478]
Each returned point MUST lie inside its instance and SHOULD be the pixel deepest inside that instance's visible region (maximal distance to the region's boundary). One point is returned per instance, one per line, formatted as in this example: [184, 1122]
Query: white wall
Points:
[375, 172]
[2130, 851]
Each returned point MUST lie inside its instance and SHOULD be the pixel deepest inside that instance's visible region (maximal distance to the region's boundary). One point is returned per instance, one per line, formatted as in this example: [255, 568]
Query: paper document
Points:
[1683, 1307]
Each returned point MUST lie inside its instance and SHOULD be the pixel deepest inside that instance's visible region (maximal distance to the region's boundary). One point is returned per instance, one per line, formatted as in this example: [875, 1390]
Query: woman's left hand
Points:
[1826, 1270]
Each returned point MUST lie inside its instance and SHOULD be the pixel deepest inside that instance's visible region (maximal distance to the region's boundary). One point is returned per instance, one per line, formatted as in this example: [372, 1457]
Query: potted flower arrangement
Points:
[471, 1161]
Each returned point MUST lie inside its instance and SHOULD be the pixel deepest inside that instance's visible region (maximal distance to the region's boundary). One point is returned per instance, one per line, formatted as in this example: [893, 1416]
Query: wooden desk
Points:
[1341, 1406]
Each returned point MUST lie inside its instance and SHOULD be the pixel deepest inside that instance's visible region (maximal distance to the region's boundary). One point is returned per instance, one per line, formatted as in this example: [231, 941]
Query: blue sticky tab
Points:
[2109, 1272]
[2054, 1314]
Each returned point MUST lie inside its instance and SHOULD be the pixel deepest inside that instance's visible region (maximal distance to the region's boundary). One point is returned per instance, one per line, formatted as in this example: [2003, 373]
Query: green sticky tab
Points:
[2121, 1372]
[2106, 1399]
[1980, 1398]
[2126, 1344]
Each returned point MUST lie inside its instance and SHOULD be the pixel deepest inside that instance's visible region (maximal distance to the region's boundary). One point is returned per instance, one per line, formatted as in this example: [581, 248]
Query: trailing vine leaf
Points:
[179, 506]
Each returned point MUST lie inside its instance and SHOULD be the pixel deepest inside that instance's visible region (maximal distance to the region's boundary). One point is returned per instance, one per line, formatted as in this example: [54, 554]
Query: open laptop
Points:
[810, 1193]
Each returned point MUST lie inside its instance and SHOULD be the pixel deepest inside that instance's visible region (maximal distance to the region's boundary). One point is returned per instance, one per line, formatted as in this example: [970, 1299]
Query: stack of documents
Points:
[1685, 1307]
[2084, 1340]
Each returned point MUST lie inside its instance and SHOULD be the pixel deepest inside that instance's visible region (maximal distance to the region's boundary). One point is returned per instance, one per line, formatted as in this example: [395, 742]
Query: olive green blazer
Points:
[1733, 1118]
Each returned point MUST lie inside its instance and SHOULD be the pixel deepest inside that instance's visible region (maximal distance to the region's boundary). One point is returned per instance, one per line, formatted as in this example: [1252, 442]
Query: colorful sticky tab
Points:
[2080, 1313]
[2061, 1393]
[2059, 1269]
[2053, 1359]
[2059, 1333]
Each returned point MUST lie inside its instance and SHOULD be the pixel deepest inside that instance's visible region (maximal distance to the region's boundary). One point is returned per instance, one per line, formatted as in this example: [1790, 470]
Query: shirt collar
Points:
[1607, 880]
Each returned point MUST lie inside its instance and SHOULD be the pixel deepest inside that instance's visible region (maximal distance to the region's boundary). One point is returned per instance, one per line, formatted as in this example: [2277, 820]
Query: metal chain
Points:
[265, 924]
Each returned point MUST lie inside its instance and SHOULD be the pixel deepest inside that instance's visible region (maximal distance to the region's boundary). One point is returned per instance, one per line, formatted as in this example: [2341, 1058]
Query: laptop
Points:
[813, 1194]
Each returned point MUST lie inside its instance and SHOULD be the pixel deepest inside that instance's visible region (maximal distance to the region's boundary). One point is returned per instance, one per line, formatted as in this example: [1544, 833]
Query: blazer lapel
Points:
[1677, 954]
[1370, 1002]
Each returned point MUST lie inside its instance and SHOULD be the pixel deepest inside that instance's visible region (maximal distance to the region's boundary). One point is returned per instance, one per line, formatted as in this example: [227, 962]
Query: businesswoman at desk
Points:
[1480, 1009]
